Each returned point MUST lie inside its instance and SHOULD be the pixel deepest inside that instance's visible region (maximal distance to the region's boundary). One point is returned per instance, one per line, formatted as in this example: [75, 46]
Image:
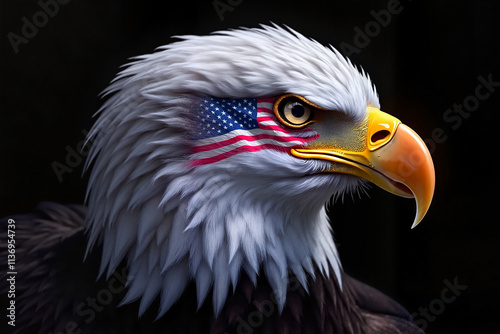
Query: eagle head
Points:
[216, 155]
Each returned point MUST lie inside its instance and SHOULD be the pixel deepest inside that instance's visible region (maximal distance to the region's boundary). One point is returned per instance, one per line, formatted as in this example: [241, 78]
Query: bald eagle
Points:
[211, 163]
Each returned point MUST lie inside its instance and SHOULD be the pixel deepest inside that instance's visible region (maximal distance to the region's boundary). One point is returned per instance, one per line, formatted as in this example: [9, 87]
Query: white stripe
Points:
[228, 148]
[269, 123]
[266, 105]
[265, 113]
[235, 133]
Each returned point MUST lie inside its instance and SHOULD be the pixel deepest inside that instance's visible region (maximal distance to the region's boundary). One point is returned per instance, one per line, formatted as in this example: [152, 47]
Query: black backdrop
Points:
[425, 58]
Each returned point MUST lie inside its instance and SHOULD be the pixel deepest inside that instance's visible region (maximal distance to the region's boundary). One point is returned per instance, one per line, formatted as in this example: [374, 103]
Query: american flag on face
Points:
[233, 126]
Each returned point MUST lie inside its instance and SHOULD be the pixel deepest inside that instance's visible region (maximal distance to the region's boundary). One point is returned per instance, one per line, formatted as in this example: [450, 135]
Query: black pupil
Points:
[298, 110]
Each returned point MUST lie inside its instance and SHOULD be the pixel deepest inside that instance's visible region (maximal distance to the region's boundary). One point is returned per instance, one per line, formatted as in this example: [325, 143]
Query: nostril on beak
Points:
[380, 135]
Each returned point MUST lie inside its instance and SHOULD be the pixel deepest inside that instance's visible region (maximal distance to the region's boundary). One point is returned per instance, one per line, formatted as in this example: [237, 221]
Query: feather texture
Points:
[240, 245]
[49, 302]
[240, 213]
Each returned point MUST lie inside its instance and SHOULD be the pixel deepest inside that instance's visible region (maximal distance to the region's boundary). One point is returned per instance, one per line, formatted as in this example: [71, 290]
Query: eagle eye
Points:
[293, 111]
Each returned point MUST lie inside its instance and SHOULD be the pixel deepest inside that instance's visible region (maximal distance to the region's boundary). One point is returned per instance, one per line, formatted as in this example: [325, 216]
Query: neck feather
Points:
[209, 226]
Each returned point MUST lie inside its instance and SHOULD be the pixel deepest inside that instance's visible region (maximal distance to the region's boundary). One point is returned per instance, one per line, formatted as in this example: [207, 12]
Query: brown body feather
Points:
[57, 292]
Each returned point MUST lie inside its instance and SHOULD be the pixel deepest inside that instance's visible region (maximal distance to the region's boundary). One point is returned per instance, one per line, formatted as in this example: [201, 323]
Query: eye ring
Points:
[294, 111]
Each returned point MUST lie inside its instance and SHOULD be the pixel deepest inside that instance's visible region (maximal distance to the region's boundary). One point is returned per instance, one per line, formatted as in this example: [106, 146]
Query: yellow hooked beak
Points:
[393, 157]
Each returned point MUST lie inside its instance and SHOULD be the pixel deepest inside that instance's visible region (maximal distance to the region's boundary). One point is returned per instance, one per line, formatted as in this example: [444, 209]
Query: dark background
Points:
[428, 58]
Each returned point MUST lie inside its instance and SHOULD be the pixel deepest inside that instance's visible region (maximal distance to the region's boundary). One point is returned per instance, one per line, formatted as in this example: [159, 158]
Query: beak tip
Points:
[415, 223]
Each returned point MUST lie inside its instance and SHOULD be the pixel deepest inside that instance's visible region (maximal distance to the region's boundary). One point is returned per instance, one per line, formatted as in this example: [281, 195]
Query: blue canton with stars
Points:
[219, 116]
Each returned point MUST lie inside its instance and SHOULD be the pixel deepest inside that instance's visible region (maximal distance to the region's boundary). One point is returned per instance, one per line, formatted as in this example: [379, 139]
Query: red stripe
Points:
[241, 149]
[265, 109]
[213, 146]
[275, 128]
[265, 118]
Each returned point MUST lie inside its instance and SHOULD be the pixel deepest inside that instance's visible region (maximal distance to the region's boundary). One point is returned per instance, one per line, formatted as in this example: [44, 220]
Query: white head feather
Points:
[173, 222]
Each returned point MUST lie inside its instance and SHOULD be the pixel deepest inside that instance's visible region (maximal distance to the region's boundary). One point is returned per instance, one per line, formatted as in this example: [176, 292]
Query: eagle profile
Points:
[211, 163]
